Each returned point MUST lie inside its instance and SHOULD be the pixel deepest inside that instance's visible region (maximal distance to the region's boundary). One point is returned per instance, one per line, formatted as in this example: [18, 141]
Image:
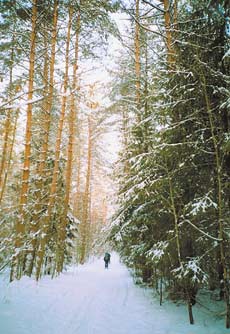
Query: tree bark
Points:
[8, 163]
[169, 39]
[48, 102]
[86, 198]
[6, 145]
[5, 148]
[20, 224]
[53, 188]
[72, 121]
[178, 245]
[137, 55]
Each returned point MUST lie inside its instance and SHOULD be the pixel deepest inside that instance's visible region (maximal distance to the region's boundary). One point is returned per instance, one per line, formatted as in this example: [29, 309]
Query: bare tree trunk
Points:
[77, 196]
[86, 198]
[72, 121]
[161, 289]
[53, 188]
[104, 212]
[20, 224]
[191, 319]
[137, 54]
[178, 246]
[8, 164]
[175, 15]
[175, 218]
[125, 137]
[169, 39]
[6, 145]
[48, 102]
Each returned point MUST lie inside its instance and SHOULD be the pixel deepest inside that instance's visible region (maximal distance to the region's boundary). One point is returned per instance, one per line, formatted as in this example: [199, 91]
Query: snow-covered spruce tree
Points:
[134, 216]
[198, 95]
[179, 190]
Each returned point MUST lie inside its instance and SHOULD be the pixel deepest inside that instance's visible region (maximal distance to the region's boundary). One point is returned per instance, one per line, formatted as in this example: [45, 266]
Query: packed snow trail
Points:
[91, 300]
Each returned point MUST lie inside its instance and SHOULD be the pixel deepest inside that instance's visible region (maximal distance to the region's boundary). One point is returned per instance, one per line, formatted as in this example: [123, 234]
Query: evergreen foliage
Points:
[173, 216]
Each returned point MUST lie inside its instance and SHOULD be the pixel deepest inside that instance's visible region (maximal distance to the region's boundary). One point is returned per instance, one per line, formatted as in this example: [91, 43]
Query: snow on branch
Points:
[191, 270]
[201, 231]
[24, 103]
[157, 251]
[138, 249]
[201, 204]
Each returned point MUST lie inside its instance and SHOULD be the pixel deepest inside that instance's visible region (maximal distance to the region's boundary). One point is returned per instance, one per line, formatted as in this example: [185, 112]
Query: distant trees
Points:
[172, 224]
[91, 198]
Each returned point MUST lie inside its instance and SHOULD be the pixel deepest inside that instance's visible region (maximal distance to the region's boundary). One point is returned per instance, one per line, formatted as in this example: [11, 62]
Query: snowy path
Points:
[91, 300]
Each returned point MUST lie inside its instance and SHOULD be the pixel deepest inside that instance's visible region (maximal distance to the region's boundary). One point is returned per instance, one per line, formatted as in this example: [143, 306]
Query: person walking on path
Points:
[107, 260]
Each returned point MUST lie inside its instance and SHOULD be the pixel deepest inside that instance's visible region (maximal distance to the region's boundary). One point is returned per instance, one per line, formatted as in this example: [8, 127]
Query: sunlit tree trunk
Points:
[72, 121]
[6, 157]
[168, 28]
[145, 97]
[5, 148]
[137, 54]
[53, 188]
[175, 14]
[77, 196]
[86, 199]
[9, 160]
[104, 211]
[49, 100]
[16, 269]
[33, 226]
[124, 130]
[47, 106]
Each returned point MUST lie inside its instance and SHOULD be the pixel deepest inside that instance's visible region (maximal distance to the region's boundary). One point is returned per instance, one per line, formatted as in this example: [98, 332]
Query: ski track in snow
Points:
[91, 300]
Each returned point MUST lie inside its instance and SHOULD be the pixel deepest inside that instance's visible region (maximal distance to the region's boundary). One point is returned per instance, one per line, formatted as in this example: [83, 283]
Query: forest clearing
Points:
[114, 136]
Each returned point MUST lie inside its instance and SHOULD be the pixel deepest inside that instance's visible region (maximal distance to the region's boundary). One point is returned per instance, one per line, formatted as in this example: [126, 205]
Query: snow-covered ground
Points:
[91, 300]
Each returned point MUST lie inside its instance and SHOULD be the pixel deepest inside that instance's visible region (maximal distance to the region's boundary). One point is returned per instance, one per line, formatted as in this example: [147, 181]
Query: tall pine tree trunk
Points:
[6, 156]
[3, 163]
[10, 156]
[137, 55]
[47, 106]
[86, 199]
[53, 188]
[168, 29]
[178, 246]
[16, 268]
[72, 121]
